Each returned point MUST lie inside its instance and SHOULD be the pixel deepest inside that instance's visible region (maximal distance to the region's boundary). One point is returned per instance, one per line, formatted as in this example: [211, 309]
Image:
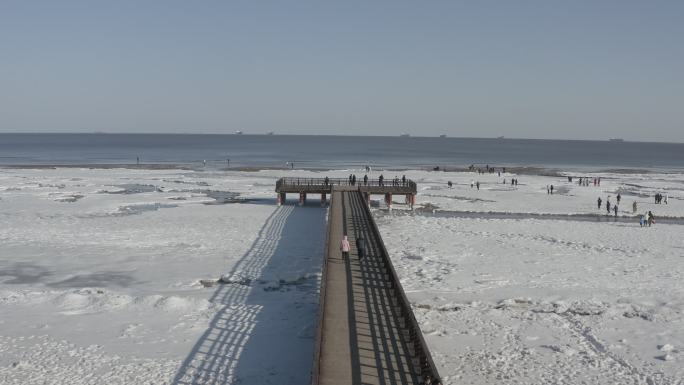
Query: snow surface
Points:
[107, 288]
[537, 301]
[133, 276]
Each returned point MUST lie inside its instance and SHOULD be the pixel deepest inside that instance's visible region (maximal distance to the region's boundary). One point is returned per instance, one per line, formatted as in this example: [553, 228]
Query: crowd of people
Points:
[487, 170]
[612, 208]
[660, 198]
[646, 219]
[586, 181]
[381, 180]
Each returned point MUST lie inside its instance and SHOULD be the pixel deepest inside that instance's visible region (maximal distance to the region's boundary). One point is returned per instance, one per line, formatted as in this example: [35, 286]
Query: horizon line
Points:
[268, 133]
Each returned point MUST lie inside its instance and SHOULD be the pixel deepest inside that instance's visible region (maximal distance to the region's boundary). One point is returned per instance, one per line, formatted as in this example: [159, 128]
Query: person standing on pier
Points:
[361, 247]
[618, 198]
[634, 207]
[615, 208]
[344, 247]
[380, 180]
[365, 180]
[599, 203]
[551, 189]
[403, 180]
[477, 184]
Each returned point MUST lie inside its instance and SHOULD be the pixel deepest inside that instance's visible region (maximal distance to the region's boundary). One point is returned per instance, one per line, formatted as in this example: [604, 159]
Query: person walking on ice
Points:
[344, 247]
[599, 203]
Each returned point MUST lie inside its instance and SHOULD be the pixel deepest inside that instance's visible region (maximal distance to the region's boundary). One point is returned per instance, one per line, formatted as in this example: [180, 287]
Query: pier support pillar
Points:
[302, 198]
[410, 200]
[366, 196]
[323, 199]
[280, 199]
[388, 200]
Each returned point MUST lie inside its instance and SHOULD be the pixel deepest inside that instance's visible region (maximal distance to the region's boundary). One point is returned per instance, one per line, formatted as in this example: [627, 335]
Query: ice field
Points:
[109, 275]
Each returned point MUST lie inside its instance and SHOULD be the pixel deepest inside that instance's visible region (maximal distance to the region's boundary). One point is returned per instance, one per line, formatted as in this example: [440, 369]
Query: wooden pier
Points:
[367, 333]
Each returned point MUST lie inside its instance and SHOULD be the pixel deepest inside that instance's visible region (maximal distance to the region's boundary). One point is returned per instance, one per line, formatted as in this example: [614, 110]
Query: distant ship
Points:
[500, 137]
[443, 136]
[404, 135]
[616, 140]
[238, 132]
[269, 133]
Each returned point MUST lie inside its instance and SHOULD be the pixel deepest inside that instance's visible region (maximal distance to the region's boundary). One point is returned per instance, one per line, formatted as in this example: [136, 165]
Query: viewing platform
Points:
[367, 187]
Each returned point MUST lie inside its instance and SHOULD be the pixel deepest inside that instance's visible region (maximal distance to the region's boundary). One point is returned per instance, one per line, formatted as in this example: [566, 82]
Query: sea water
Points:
[305, 151]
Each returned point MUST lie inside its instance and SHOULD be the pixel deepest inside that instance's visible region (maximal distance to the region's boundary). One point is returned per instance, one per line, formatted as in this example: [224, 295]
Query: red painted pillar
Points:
[278, 201]
[302, 198]
[388, 200]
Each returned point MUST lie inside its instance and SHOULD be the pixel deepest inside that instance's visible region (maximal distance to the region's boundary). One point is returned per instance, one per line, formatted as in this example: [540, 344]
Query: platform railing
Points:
[323, 183]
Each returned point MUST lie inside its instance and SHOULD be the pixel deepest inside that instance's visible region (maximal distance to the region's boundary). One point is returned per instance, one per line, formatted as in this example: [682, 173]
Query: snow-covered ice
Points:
[129, 276]
[107, 288]
[528, 300]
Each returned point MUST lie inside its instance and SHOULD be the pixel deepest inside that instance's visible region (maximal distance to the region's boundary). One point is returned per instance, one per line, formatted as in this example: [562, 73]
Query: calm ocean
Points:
[331, 151]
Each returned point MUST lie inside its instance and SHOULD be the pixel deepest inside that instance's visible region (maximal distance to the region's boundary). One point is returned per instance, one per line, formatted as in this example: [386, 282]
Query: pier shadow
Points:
[263, 330]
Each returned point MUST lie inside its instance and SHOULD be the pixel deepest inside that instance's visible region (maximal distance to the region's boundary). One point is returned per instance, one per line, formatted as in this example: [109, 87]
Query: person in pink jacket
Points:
[344, 246]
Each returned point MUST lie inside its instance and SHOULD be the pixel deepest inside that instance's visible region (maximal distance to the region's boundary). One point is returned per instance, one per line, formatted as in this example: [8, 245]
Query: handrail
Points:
[427, 366]
[316, 368]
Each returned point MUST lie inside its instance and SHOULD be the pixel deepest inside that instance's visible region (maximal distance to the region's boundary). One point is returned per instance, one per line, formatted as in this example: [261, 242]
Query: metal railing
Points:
[428, 370]
[316, 368]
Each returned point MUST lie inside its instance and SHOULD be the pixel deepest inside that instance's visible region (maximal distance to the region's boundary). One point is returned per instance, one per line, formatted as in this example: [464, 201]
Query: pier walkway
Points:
[367, 333]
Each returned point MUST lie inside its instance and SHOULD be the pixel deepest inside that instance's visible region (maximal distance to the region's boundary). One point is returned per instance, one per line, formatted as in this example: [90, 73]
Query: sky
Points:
[521, 69]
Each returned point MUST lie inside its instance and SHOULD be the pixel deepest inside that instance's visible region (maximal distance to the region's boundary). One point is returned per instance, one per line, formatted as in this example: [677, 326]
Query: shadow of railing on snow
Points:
[232, 347]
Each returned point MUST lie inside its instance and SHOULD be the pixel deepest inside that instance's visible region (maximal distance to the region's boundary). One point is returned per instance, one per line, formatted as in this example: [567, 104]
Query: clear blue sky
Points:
[534, 69]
